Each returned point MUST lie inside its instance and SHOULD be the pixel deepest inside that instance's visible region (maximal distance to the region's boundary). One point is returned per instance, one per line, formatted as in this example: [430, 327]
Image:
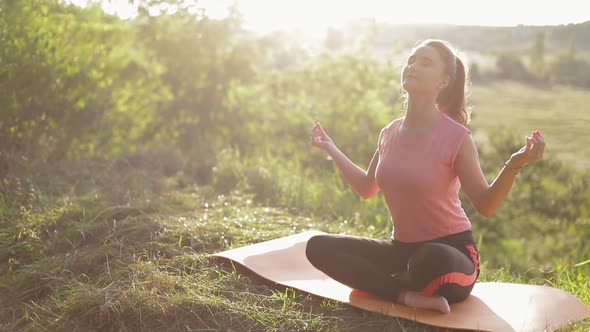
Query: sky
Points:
[314, 16]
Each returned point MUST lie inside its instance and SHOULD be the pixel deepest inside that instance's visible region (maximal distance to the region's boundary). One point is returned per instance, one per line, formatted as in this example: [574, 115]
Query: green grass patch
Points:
[146, 267]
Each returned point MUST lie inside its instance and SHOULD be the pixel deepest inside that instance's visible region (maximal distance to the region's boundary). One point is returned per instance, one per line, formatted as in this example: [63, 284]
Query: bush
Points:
[568, 69]
[511, 67]
[263, 182]
[228, 170]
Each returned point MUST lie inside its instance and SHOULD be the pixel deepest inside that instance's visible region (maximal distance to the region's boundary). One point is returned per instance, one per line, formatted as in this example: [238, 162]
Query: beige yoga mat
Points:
[492, 306]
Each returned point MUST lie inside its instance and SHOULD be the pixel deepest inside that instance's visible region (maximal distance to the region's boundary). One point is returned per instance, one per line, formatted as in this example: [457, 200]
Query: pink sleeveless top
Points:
[419, 182]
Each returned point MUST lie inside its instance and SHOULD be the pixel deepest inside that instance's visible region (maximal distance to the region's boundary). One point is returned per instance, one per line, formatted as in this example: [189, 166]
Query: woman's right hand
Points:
[320, 139]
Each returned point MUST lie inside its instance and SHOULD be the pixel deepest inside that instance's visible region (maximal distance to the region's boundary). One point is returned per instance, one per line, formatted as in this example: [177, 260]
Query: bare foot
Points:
[417, 300]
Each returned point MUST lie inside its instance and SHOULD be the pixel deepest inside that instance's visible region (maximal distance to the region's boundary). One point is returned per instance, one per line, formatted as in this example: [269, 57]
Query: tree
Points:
[571, 70]
[510, 66]
[474, 71]
[537, 56]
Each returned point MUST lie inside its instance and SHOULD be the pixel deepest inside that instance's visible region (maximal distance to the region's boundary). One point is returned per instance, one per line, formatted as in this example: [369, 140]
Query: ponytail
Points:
[451, 100]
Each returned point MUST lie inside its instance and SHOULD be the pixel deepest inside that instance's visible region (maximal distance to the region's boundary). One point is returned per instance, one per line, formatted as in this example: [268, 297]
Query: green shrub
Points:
[571, 70]
[228, 171]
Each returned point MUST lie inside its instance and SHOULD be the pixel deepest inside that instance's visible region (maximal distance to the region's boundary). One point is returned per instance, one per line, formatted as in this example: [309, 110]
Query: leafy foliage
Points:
[129, 149]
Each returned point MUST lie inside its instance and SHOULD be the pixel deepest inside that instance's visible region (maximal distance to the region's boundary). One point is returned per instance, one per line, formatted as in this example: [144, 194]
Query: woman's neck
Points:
[421, 113]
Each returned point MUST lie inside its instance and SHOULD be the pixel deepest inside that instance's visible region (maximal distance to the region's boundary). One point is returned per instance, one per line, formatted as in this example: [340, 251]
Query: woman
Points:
[420, 163]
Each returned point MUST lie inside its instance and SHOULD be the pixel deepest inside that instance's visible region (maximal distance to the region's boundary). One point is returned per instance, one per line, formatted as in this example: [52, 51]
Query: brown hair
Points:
[452, 99]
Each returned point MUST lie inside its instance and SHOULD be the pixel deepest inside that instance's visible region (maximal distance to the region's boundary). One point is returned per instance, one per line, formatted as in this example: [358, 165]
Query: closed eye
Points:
[421, 60]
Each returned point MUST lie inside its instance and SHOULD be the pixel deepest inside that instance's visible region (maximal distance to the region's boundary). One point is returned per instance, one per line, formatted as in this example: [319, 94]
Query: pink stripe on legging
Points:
[459, 278]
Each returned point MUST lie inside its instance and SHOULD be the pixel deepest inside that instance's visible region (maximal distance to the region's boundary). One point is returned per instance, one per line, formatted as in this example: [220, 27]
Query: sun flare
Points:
[314, 17]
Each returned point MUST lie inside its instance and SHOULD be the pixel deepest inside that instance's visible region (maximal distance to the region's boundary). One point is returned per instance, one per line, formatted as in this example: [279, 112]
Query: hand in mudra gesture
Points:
[532, 151]
[319, 138]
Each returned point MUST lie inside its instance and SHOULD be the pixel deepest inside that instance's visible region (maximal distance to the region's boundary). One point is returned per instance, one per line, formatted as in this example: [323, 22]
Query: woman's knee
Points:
[314, 247]
[433, 257]
[439, 258]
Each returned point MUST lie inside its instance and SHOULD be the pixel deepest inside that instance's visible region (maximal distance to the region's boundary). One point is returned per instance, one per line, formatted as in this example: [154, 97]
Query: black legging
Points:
[446, 266]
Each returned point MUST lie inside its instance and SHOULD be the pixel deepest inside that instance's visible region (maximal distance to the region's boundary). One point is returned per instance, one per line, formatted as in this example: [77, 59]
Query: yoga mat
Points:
[492, 306]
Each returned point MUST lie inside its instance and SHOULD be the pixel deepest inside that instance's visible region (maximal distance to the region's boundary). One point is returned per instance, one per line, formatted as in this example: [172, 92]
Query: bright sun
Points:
[314, 16]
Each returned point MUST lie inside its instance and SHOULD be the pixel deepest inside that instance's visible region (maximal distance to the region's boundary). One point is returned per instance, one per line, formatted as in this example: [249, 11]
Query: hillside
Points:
[473, 38]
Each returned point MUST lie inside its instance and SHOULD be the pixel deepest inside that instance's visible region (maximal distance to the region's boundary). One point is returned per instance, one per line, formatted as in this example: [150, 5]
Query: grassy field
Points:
[560, 113]
[107, 254]
[133, 149]
[112, 247]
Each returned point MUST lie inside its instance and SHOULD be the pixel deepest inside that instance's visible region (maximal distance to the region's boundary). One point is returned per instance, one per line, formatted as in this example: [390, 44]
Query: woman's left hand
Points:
[532, 151]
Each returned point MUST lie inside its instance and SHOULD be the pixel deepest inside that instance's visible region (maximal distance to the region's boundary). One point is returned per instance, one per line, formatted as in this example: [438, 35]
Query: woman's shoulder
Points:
[386, 132]
[391, 125]
[452, 126]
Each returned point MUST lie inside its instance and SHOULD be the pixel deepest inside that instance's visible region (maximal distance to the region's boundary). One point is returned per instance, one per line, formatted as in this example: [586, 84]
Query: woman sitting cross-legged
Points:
[420, 163]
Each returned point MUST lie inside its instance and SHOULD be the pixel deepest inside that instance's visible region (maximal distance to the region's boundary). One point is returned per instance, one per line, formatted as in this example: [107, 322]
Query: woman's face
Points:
[424, 71]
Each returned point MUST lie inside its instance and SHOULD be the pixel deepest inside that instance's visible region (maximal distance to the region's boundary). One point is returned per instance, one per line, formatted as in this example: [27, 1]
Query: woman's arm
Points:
[362, 182]
[487, 198]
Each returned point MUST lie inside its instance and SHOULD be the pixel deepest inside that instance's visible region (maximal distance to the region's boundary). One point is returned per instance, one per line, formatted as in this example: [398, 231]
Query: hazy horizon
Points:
[311, 17]
[315, 17]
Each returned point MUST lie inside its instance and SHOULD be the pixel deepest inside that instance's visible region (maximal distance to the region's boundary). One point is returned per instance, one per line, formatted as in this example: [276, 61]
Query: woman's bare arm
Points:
[487, 198]
[362, 182]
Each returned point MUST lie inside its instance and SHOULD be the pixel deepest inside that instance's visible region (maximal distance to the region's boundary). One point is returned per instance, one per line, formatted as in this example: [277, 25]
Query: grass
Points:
[122, 269]
[115, 247]
[139, 261]
[559, 112]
